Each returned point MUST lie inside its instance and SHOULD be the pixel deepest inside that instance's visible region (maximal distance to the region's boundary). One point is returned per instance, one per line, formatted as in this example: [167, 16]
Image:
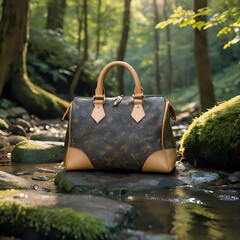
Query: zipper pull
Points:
[117, 100]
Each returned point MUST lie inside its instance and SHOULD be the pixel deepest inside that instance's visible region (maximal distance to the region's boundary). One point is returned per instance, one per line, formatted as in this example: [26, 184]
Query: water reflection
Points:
[189, 214]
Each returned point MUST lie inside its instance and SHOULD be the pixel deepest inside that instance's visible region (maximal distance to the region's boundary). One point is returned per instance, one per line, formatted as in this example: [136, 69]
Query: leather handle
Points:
[99, 92]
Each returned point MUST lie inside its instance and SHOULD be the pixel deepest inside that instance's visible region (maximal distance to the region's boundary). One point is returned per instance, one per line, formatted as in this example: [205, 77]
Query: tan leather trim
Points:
[98, 112]
[68, 108]
[77, 159]
[69, 134]
[163, 126]
[138, 88]
[138, 112]
[161, 161]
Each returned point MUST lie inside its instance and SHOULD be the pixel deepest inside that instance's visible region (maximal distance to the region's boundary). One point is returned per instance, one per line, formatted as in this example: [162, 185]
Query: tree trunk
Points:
[169, 50]
[56, 11]
[80, 19]
[98, 28]
[205, 85]
[156, 41]
[123, 45]
[14, 34]
[85, 54]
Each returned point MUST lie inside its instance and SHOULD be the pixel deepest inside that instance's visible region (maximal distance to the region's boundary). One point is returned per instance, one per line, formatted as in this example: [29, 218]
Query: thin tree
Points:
[56, 11]
[123, 45]
[204, 77]
[98, 27]
[14, 34]
[169, 50]
[156, 41]
[85, 53]
[80, 20]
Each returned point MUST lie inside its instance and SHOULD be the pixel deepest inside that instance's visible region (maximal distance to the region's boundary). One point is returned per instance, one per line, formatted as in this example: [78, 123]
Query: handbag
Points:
[120, 133]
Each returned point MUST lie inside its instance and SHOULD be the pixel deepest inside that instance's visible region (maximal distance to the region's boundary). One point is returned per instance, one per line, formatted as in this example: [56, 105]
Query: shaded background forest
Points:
[72, 40]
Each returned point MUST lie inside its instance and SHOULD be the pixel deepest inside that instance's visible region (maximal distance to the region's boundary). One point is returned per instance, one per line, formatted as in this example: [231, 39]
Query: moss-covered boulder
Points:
[21, 219]
[3, 124]
[37, 152]
[213, 139]
[39, 215]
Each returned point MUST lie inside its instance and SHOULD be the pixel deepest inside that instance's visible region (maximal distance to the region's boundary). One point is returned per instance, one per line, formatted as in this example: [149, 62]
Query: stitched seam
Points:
[69, 133]
[163, 126]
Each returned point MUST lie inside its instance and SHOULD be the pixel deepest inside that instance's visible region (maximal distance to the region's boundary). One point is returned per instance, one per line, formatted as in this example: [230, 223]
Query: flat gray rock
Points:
[116, 183]
[8, 180]
[115, 215]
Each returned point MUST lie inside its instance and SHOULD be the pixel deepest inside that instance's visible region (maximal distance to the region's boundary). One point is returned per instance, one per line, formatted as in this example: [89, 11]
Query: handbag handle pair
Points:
[99, 92]
[98, 112]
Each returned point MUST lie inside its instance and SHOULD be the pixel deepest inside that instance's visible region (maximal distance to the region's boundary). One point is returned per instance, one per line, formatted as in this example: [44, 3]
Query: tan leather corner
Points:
[77, 160]
[161, 161]
[138, 112]
[98, 112]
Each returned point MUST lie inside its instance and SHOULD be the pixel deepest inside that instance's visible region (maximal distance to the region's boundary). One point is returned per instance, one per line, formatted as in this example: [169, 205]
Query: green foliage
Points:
[219, 128]
[50, 57]
[226, 83]
[65, 223]
[231, 18]
[4, 103]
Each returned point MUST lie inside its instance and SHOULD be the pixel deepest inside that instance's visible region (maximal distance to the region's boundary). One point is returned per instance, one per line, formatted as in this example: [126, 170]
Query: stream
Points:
[210, 210]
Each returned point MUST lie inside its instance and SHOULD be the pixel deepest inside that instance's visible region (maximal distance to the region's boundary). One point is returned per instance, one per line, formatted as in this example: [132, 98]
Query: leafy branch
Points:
[229, 18]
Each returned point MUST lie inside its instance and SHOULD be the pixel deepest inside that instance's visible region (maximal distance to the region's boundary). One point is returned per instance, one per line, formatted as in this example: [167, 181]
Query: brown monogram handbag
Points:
[122, 133]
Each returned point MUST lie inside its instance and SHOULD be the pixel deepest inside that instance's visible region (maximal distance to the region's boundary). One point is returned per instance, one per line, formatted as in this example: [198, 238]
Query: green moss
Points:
[7, 193]
[64, 184]
[7, 185]
[50, 221]
[218, 129]
[35, 99]
[29, 145]
[37, 152]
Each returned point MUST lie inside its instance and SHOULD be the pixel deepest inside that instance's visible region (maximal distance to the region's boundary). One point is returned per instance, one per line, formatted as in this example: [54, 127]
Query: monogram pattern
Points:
[118, 142]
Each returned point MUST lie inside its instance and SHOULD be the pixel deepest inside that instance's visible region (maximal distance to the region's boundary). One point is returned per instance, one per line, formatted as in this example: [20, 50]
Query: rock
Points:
[57, 215]
[38, 152]
[234, 178]
[114, 183]
[26, 125]
[40, 178]
[18, 130]
[4, 141]
[9, 181]
[3, 125]
[14, 139]
[15, 112]
[56, 136]
[213, 139]
[139, 235]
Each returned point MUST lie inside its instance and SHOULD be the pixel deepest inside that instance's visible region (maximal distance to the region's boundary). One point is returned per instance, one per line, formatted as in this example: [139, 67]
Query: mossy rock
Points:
[10, 181]
[213, 139]
[37, 152]
[46, 222]
[3, 124]
[15, 139]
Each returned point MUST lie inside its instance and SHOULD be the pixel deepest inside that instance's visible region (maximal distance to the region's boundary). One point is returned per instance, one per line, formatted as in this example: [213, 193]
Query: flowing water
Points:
[206, 211]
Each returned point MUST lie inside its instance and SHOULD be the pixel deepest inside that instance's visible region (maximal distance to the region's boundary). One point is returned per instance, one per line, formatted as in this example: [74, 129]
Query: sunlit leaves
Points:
[231, 18]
